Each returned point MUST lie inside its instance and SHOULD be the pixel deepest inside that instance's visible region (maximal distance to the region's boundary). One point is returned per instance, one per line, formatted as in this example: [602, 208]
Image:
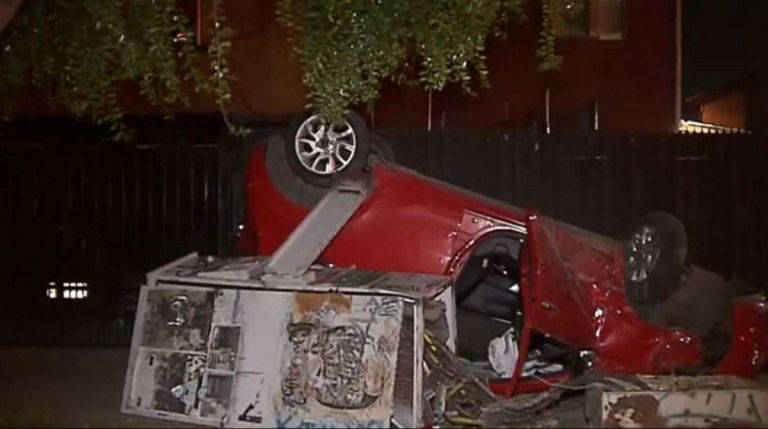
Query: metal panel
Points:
[310, 238]
[254, 358]
[215, 346]
[683, 402]
[245, 272]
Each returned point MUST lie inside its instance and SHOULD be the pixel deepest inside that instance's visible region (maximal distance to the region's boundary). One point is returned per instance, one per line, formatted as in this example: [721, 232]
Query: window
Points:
[196, 13]
[69, 290]
[573, 21]
[608, 19]
[599, 19]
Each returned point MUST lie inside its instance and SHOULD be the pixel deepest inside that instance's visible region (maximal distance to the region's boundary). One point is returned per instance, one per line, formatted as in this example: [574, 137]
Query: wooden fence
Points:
[717, 184]
[79, 207]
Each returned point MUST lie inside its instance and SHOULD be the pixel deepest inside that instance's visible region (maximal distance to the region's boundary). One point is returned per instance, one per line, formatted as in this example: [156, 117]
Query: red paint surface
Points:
[572, 280]
[750, 340]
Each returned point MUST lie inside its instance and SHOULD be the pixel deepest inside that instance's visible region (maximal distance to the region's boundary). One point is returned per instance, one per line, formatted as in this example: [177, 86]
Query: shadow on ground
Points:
[66, 387]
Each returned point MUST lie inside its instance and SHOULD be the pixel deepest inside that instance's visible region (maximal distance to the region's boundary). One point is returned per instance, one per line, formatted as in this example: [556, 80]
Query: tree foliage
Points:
[553, 16]
[348, 48]
[79, 52]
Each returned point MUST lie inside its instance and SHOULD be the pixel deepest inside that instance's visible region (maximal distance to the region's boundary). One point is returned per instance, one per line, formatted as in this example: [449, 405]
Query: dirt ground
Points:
[66, 387]
[70, 387]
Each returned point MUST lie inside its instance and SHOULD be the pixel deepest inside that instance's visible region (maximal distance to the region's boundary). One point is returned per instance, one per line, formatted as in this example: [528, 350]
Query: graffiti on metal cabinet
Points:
[291, 422]
[340, 356]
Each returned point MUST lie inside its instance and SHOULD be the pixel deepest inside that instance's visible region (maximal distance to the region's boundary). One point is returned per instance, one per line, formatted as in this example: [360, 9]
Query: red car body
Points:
[572, 281]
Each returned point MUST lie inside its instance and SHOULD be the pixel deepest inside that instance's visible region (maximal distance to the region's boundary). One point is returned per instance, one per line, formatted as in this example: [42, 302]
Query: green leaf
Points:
[79, 51]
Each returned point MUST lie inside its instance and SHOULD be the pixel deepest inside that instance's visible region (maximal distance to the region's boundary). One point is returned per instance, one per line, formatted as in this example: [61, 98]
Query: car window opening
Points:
[491, 317]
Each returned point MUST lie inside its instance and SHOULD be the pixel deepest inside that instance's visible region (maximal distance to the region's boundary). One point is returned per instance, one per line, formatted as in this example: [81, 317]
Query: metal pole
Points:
[200, 27]
[373, 116]
[596, 116]
[546, 108]
[678, 64]
[429, 111]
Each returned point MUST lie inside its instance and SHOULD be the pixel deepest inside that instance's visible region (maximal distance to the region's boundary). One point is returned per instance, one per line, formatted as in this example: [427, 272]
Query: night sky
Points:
[723, 40]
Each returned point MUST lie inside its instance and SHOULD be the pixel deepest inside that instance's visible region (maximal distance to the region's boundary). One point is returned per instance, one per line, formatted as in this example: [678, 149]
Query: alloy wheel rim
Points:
[324, 149]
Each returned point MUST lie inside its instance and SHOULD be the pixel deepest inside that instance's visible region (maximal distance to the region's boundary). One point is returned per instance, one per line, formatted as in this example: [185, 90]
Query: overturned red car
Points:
[560, 295]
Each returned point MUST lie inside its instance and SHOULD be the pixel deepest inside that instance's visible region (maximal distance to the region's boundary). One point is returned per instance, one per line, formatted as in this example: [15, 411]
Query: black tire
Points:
[381, 150]
[716, 344]
[663, 277]
[357, 164]
[701, 306]
[285, 179]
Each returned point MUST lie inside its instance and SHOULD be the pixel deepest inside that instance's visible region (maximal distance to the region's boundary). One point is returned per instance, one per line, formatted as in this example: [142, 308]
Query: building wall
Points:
[268, 74]
[741, 104]
[757, 105]
[632, 81]
[268, 71]
[729, 110]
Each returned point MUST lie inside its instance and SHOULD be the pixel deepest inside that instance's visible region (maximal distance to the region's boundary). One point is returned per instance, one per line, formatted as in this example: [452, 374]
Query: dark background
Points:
[722, 42]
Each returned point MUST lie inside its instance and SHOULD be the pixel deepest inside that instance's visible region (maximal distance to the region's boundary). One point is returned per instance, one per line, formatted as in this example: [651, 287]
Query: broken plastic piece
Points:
[503, 354]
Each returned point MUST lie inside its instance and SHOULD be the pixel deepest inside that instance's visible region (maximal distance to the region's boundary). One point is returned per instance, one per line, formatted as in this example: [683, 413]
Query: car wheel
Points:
[381, 150]
[284, 178]
[656, 258]
[321, 153]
